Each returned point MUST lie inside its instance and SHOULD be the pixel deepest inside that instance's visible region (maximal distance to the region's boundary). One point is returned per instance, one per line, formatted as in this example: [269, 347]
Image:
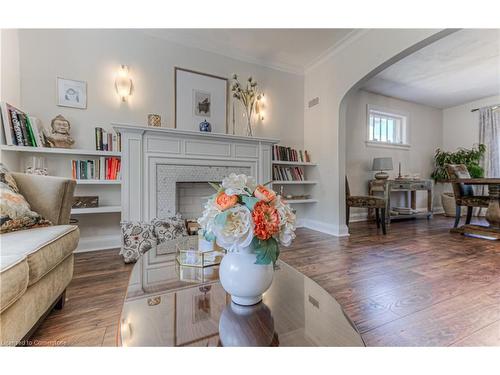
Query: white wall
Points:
[10, 89]
[461, 126]
[426, 135]
[95, 55]
[330, 80]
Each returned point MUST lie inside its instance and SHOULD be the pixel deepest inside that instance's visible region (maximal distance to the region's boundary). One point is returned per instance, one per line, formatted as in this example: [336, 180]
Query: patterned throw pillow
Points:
[168, 231]
[15, 211]
[137, 238]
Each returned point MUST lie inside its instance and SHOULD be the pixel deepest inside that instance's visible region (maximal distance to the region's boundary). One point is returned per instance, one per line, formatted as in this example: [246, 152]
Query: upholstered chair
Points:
[366, 201]
[464, 194]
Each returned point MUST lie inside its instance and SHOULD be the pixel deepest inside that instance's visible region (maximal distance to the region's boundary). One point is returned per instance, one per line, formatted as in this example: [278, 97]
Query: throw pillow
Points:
[168, 231]
[15, 211]
[137, 238]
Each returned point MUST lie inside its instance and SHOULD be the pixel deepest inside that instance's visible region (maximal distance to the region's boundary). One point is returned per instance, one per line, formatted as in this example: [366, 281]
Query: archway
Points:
[343, 113]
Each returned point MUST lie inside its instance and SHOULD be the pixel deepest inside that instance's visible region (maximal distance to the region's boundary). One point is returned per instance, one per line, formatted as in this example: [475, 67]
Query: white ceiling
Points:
[291, 50]
[457, 69]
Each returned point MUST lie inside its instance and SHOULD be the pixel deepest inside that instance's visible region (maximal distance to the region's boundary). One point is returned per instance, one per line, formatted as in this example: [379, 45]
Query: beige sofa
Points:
[36, 265]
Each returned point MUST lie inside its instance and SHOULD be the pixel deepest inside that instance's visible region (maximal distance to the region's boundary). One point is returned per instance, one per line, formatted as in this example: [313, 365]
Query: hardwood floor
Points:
[419, 285]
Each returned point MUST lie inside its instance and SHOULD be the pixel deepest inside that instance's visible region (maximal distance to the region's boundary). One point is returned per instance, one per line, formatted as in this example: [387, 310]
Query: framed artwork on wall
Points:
[71, 93]
[200, 97]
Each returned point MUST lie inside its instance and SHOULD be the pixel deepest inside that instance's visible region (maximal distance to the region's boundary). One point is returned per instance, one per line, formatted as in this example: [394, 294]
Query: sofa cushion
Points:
[15, 211]
[44, 247]
[14, 277]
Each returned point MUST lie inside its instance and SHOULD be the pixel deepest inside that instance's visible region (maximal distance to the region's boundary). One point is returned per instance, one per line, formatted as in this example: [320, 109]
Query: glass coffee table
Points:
[170, 305]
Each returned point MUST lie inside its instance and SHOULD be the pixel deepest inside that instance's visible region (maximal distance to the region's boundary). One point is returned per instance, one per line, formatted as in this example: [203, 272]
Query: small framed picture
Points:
[71, 93]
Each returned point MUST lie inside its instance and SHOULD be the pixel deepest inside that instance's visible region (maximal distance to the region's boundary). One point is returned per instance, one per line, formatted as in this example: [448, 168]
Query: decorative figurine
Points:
[205, 126]
[59, 136]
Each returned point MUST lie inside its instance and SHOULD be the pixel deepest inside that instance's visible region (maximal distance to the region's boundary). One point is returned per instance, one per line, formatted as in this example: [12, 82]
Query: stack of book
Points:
[107, 141]
[98, 169]
[288, 173]
[283, 153]
[20, 128]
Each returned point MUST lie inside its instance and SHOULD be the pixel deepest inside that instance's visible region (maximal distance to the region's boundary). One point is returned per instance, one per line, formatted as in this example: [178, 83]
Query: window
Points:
[387, 128]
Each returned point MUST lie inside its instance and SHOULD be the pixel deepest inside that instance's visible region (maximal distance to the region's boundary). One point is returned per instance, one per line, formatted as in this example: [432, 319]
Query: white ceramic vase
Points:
[244, 280]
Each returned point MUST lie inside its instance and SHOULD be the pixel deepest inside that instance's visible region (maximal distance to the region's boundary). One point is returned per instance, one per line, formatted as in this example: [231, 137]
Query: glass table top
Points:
[169, 305]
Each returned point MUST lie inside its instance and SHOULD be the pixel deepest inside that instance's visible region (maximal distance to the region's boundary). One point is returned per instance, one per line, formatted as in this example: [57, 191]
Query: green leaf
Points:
[267, 251]
[221, 218]
[209, 236]
[215, 185]
[249, 201]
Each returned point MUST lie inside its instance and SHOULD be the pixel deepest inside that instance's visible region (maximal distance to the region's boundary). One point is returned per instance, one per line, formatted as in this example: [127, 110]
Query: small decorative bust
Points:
[59, 136]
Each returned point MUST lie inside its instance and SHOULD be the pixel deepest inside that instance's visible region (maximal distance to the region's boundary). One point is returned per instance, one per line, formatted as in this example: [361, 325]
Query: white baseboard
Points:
[98, 243]
[320, 226]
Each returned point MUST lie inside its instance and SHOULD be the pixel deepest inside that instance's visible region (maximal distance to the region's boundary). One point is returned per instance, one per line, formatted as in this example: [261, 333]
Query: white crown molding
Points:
[336, 48]
[231, 53]
[280, 66]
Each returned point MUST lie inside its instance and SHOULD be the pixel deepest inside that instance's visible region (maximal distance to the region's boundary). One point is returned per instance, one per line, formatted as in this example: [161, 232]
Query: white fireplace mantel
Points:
[145, 148]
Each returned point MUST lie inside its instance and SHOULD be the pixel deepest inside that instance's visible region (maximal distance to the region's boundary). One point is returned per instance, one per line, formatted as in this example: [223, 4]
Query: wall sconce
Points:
[123, 83]
[259, 107]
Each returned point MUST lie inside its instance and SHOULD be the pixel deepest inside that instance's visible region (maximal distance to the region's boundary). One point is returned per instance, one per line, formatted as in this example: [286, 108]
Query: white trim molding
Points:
[95, 243]
[321, 226]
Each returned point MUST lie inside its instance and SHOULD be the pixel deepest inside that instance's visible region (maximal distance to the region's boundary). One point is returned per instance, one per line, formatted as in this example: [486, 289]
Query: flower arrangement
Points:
[243, 214]
[248, 97]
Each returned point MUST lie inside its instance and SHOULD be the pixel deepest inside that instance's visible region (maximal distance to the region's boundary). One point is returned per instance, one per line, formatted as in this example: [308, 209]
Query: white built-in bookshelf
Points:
[295, 187]
[90, 220]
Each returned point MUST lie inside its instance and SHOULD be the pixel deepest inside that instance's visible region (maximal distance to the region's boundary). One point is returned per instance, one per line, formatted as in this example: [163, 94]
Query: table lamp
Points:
[381, 165]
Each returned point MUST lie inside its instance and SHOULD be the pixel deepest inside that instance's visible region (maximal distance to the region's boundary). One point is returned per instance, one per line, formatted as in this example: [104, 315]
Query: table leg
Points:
[413, 195]
[429, 203]
[493, 212]
[492, 216]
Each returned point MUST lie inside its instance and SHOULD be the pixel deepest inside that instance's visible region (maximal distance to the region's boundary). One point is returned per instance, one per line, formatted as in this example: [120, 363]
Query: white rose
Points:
[207, 220]
[287, 235]
[235, 184]
[237, 231]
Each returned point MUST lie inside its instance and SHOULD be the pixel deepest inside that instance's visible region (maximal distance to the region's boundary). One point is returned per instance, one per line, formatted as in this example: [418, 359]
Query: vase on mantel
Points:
[249, 131]
[243, 278]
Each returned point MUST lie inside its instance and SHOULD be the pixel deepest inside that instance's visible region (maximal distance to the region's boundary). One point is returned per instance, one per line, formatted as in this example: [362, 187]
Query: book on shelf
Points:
[20, 129]
[288, 173]
[107, 141]
[96, 169]
[284, 153]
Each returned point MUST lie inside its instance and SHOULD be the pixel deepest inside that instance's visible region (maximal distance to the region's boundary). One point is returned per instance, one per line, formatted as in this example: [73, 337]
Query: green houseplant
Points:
[471, 158]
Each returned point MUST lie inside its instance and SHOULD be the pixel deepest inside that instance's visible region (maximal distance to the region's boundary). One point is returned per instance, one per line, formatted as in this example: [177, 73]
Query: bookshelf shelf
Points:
[310, 182]
[64, 151]
[98, 182]
[293, 163]
[301, 201]
[95, 210]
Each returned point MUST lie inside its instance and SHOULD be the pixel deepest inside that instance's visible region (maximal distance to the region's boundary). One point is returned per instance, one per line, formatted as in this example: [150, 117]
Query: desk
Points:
[493, 212]
[411, 186]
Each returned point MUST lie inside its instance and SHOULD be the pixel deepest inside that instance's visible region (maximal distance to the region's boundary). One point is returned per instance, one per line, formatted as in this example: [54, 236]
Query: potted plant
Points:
[249, 221]
[470, 157]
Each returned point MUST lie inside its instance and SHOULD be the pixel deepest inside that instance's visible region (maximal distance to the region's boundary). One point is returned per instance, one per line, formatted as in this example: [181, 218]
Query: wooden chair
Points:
[464, 194]
[366, 201]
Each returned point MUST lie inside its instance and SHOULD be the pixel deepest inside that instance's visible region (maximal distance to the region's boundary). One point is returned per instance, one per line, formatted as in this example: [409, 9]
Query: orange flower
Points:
[266, 220]
[224, 201]
[265, 194]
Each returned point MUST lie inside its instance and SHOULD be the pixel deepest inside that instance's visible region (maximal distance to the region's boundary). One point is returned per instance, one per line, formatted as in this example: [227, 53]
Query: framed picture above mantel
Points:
[200, 98]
